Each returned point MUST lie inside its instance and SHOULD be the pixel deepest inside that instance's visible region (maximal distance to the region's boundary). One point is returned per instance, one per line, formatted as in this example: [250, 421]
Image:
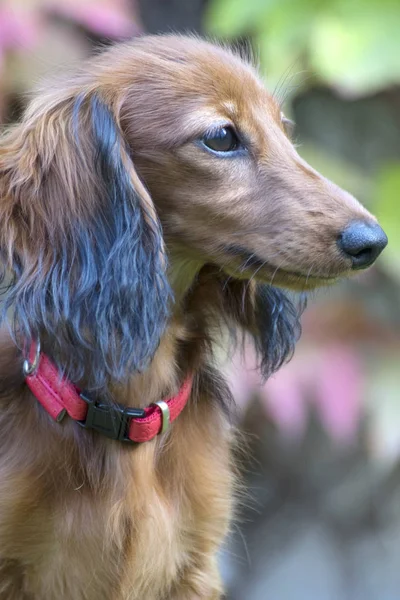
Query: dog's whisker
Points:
[254, 274]
[309, 273]
[239, 269]
[275, 272]
[243, 266]
[282, 79]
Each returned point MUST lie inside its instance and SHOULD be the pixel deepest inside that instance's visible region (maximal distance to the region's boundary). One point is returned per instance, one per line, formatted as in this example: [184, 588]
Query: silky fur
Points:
[129, 246]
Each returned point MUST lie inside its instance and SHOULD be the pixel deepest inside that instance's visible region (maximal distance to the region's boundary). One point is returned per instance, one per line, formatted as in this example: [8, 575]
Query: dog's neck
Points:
[165, 373]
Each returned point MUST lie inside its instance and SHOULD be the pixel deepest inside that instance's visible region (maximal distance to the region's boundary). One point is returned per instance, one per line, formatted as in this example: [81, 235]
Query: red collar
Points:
[59, 397]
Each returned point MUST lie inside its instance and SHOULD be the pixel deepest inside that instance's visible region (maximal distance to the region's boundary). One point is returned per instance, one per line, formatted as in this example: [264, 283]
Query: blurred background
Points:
[321, 520]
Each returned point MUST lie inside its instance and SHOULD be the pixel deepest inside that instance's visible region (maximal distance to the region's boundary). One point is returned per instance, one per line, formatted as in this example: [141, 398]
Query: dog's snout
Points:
[362, 242]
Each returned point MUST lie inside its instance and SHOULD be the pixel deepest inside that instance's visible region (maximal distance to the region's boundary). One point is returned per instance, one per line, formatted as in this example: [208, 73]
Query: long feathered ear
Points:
[80, 234]
[268, 315]
[277, 326]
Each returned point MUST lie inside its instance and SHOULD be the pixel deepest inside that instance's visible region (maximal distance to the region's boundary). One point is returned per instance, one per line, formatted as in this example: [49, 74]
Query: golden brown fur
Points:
[83, 517]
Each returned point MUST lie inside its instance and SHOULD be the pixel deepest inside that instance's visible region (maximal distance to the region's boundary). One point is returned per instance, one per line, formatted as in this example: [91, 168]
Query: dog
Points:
[147, 204]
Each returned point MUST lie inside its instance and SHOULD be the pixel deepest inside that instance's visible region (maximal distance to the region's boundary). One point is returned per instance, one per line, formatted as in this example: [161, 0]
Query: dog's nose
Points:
[362, 242]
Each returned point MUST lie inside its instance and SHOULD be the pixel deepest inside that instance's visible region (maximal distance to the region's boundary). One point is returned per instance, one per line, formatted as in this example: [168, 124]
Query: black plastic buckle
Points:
[112, 420]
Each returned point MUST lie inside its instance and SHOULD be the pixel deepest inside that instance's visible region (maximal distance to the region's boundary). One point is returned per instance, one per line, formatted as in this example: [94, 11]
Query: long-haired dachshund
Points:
[144, 204]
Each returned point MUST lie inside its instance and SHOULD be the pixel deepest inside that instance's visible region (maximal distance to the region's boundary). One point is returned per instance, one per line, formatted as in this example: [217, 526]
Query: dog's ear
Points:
[276, 326]
[268, 315]
[81, 235]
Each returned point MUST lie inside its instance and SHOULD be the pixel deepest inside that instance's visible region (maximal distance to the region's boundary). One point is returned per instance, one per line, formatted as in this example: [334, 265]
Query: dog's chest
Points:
[181, 511]
[161, 517]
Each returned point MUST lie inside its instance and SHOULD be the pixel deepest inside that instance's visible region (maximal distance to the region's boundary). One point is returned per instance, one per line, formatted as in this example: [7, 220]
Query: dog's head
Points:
[229, 185]
[164, 133]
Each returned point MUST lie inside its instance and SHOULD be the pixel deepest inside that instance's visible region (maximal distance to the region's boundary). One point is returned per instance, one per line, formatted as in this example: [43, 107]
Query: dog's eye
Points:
[223, 139]
[288, 126]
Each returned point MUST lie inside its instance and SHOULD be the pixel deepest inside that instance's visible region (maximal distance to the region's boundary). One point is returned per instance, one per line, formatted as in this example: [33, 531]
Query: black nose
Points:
[362, 242]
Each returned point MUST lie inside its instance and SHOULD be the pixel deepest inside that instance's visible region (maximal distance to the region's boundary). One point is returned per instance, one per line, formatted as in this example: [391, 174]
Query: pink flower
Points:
[329, 378]
[18, 29]
[108, 18]
[20, 26]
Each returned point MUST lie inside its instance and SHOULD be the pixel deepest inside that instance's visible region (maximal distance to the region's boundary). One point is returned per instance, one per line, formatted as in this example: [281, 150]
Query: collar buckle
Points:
[111, 420]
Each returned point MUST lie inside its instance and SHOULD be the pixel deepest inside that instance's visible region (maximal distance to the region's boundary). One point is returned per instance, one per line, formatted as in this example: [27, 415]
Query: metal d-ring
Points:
[165, 415]
[29, 368]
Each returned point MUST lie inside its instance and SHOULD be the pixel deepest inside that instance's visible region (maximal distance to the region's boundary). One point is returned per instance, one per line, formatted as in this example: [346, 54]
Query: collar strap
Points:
[59, 397]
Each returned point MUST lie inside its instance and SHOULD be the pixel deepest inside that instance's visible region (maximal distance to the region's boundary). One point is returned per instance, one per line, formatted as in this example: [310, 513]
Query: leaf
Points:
[230, 18]
[353, 46]
[382, 395]
[279, 64]
[388, 213]
[357, 51]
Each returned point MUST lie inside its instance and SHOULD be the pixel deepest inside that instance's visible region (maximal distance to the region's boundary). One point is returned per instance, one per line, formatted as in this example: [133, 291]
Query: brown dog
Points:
[143, 204]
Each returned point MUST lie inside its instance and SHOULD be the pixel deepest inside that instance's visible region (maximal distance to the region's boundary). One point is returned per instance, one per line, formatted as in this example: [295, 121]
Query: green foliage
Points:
[353, 45]
[231, 18]
[387, 204]
[357, 46]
